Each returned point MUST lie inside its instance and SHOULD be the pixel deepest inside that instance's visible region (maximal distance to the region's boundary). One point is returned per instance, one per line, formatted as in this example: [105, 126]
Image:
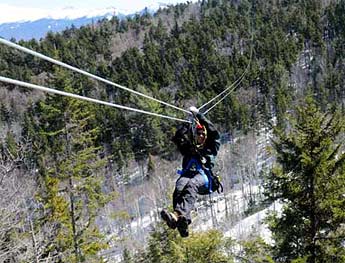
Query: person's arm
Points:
[182, 139]
[210, 150]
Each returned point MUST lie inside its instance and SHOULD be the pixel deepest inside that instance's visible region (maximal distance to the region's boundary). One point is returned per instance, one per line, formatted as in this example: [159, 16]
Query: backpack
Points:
[215, 184]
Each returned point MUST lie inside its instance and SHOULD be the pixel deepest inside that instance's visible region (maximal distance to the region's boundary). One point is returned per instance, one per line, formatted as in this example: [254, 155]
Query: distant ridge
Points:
[37, 29]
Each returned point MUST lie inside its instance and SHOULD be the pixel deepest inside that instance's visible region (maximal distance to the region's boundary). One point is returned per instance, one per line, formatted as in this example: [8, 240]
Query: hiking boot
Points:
[182, 226]
[169, 218]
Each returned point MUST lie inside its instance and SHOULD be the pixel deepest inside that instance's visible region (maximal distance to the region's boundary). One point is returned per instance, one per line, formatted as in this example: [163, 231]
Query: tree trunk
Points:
[34, 242]
[313, 222]
[73, 221]
[71, 197]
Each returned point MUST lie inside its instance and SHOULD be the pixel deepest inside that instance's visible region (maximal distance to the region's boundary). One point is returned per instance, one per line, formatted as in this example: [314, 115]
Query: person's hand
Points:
[193, 109]
[203, 160]
[193, 150]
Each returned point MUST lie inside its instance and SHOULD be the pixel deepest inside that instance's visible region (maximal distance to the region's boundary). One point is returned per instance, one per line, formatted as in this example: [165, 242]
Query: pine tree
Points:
[72, 186]
[151, 169]
[206, 247]
[309, 180]
[165, 245]
[254, 249]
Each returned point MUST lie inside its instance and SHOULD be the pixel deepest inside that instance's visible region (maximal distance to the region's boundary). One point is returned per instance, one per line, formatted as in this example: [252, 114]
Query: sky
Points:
[23, 10]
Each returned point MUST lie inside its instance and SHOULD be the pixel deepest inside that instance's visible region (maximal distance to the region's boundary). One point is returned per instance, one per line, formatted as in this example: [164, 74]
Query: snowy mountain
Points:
[38, 29]
[38, 26]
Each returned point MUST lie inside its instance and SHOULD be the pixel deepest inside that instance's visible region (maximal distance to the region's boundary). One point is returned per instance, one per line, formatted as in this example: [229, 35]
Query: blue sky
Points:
[21, 10]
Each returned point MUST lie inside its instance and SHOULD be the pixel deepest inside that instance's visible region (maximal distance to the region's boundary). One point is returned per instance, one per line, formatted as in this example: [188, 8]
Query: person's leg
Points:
[180, 185]
[185, 194]
[171, 218]
[185, 201]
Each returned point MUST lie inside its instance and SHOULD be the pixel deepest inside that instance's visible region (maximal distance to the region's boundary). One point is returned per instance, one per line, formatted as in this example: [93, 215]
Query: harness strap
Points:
[206, 173]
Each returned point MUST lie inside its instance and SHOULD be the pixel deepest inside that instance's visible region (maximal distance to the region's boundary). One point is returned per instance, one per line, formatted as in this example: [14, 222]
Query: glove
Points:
[193, 109]
[203, 160]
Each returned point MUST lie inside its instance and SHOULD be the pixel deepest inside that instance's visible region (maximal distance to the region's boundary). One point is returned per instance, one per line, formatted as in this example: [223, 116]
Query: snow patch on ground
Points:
[254, 225]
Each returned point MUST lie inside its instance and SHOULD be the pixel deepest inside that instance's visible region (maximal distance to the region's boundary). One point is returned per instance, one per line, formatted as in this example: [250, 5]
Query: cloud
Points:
[16, 13]
[9, 13]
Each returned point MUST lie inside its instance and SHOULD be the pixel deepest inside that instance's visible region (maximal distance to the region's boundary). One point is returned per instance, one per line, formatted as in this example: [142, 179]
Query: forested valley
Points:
[75, 176]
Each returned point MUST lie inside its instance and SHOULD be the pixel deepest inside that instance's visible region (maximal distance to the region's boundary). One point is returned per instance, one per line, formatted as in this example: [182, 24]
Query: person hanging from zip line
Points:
[199, 143]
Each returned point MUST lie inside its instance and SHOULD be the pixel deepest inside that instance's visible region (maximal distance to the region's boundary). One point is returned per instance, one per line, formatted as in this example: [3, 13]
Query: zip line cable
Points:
[54, 61]
[233, 86]
[41, 88]
[205, 112]
[220, 94]
[238, 83]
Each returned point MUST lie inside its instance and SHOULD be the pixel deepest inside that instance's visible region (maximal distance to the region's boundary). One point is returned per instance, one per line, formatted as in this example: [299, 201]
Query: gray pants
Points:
[187, 187]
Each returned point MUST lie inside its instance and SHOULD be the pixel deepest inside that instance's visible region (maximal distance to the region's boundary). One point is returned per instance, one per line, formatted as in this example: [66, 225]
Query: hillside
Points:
[74, 174]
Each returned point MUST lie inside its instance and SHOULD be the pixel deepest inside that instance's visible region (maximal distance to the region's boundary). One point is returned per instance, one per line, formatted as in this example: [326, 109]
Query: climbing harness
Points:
[212, 182]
